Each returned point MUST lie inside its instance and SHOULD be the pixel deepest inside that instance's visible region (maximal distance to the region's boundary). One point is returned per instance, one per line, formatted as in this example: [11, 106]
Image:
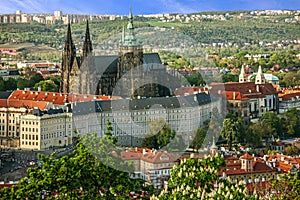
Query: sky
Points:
[121, 7]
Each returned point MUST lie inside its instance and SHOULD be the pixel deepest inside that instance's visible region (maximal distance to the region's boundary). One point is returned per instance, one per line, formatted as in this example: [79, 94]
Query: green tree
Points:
[47, 86]
[55, 79]
[35, 78]
[232, 131]
[195, 79]
[198, 138]
[10, 84]
[291, 122]
[160, 134]
[78, 176]
[273, 120]
[230, 78]
[2, 84]
[257, 132]
[291, 150]
[287, 186]
[22, 83]
[196, 179]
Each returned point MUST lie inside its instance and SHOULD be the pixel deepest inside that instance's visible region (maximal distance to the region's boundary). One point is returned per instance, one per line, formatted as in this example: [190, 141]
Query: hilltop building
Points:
[134, 71]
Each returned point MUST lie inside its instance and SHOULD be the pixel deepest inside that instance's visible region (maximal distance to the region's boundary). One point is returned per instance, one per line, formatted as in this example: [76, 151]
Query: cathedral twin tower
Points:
[75, 69]
[89, 74]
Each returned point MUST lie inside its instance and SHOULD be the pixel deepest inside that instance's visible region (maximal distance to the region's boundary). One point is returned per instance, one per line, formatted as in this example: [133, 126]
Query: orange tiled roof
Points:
[289, 96]
[230, 95]
[130, 155]
[3, 103]
[54, 97]
[28, 104]
[158, 157]
[250, 88]
[247, 156]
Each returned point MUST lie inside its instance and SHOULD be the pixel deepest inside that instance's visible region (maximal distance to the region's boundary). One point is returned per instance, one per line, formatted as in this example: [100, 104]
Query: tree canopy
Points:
[197, 179]
[81, 175]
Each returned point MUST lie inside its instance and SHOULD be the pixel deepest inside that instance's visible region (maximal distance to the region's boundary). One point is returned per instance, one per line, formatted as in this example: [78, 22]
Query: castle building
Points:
[130, 117]
[132, 71]
[249, 100]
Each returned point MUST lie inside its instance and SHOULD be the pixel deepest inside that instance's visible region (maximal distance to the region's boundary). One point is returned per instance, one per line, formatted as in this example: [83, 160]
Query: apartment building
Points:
[21, 103]
[42, 130]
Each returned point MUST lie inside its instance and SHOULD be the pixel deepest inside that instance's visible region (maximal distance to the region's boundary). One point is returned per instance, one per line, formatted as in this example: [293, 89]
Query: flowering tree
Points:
[199, 179]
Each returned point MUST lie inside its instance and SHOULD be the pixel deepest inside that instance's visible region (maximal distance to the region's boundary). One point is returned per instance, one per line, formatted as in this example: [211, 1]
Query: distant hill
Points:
[146, 7]
[193, 39]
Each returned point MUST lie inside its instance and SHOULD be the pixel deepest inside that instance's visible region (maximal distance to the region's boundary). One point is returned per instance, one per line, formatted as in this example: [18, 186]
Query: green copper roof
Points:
[214, 146]
[128, 38]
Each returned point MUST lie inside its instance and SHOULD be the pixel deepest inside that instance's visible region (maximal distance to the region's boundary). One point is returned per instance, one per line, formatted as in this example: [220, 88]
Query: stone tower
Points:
[87, 76]
[242, 76]
[260, 79]
[68, 60]
[70, 66]
[130, 57]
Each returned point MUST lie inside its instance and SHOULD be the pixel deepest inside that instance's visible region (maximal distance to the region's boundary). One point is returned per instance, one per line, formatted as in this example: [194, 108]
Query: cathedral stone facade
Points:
[131, 74]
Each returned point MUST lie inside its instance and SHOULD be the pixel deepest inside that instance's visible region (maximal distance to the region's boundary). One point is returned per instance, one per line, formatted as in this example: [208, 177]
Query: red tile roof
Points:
[230, 95]
[3, 103]
[234, 167]
[130, 155]
[28, 104]
[242, 91]
[54, 97]
[289, 96]
[159, 157]
[250, 88]
[247, 156]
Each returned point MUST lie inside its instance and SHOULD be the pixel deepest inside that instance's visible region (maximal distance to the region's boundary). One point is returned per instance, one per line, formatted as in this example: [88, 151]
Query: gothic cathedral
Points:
[129, 70]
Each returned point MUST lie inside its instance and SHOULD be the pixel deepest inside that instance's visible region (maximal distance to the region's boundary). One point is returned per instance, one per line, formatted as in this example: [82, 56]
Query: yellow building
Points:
[45, 129]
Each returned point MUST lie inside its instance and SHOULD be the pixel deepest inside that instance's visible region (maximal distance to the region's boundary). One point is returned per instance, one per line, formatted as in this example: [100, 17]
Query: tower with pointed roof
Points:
[213, 148]
[130, 51]
[130, 57]
[260, 79]
[68, 56]
[131, 63]
[87, 45]
[87, 77]
[242, 76]
[69, 63]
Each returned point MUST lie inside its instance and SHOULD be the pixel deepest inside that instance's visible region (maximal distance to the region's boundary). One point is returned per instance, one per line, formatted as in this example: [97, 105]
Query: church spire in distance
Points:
[260, 79]
[69, 46]
[130, 39]
[87, 46]
[242, 76]
[68, 57]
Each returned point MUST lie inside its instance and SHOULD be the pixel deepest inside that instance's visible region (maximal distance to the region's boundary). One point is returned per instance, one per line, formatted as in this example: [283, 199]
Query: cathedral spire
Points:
[87, 46]
[68, 57]
[69, 46]
[130, 39]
